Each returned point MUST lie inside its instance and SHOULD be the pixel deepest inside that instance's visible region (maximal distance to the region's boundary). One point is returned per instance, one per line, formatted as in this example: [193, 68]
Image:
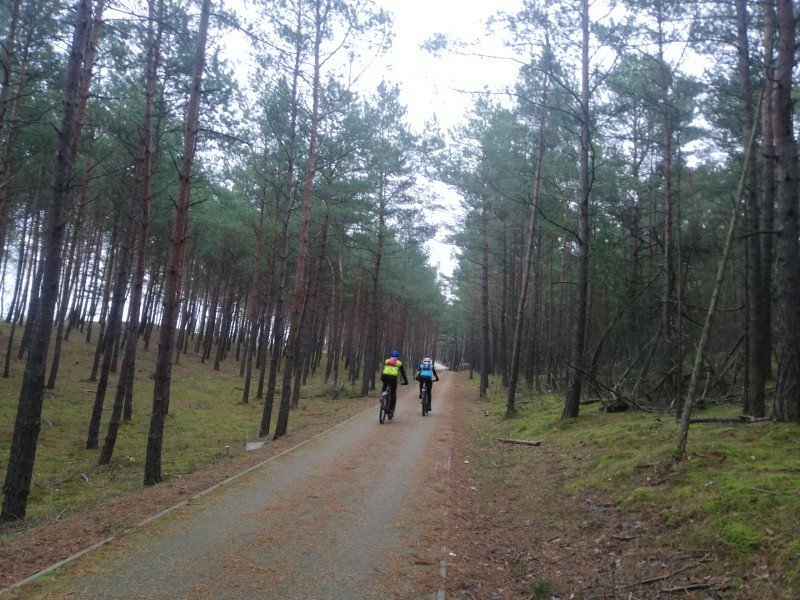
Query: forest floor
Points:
[522, 522]
[529, 521]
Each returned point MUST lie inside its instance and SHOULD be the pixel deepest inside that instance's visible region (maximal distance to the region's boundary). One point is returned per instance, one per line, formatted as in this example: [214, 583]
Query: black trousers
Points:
[390, 382]
[430, 386]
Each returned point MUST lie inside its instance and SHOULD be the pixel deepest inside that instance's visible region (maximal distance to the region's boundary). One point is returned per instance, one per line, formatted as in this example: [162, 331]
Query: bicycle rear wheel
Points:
[384, 411]
[425, 401]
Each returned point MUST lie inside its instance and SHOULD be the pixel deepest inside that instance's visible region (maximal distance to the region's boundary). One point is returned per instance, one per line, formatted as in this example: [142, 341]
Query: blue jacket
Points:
[428, 372]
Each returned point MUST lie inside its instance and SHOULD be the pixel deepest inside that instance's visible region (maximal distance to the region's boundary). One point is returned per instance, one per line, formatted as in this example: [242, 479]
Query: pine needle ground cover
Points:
[599, 507]
[207, 425]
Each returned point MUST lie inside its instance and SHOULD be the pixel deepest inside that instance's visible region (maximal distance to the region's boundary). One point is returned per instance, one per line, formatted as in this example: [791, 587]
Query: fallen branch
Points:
[690, 587]
[774, 493]
[667, 576]
[523, 442]
[738, 420]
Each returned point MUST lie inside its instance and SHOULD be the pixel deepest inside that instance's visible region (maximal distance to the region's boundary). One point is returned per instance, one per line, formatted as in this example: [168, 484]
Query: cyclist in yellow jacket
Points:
[392, 368]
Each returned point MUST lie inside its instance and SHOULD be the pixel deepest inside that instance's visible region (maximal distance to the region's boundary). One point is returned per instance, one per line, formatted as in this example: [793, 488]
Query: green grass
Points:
[206, 415]
[737, 491]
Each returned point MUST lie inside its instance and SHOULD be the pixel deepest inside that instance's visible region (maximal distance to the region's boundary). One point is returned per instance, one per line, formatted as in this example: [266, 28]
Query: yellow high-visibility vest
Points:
[389, 369]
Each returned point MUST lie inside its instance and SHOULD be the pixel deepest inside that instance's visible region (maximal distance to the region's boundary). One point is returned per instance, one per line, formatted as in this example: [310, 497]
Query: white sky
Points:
[441, 85]
[433, 84]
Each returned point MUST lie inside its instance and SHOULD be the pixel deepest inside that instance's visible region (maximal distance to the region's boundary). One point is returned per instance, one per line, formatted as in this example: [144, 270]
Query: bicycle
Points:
[387, 403]
[385, 406]
[426, 398]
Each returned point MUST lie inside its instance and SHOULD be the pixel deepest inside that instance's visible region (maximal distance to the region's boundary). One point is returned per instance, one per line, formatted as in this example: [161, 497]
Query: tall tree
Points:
[28, 421]
[572, 400]
[391, 150]
[141, 193]
[528, 259]
[180, 229]
[86, 77]
[297, 307]
[757, 296]
[787, 389]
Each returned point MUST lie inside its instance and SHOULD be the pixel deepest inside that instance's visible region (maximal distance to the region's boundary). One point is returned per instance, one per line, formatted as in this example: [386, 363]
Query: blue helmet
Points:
[394, 354]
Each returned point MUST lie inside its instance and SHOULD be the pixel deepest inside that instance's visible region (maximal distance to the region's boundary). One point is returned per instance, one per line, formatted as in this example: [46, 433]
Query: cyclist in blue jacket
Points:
[427, 373]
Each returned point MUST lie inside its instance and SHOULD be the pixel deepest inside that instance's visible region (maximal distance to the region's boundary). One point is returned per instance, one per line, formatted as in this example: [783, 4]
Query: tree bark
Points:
[757, 341]
[485, 350]
[688, 405]
[527, 267]
[787, 390]
[141, 194]
[768, 182]
[573, 398]
[163, 370]
[254, 305]
[28, 421]
[299, 293]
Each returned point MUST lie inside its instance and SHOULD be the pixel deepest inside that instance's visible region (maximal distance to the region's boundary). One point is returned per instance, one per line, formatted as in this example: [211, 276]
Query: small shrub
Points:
[542, 591]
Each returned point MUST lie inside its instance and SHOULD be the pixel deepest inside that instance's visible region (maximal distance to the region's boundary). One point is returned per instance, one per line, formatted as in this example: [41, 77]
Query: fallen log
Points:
[740, 419]
[523, 442]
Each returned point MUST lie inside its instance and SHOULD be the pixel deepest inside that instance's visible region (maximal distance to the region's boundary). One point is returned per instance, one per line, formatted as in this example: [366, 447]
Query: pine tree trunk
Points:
[28, 421]
[66, 288]
[757, 340]
[485, 350]
[163, 370]
[527, 268]
[6, 123]
[123, 399]
[688, 405]
[573, 398]
[300, 291]
[254, 305]
[768, 182]
[787, 390]
[278, 290]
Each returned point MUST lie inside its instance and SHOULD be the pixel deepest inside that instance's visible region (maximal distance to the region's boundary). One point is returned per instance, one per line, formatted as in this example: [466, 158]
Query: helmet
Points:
[395, 354]
[426, 360]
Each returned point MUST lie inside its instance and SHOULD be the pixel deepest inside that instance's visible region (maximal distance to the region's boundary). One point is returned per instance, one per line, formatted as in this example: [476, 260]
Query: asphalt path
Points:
[354, 513]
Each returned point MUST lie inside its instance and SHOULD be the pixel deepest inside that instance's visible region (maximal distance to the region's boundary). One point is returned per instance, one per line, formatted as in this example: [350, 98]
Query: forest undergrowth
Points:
[597, 508]
[207, 425]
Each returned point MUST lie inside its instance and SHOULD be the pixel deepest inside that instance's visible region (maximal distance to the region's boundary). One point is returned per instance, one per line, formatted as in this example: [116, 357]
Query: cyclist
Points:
[392, 367]
[426, 373]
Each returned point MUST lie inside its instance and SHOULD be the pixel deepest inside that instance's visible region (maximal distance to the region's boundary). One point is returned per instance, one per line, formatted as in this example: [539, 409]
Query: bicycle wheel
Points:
[425, 401]
[384, 409]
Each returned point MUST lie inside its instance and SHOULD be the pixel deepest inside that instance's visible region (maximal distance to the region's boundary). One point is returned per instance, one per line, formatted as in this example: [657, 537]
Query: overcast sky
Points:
[441, 85]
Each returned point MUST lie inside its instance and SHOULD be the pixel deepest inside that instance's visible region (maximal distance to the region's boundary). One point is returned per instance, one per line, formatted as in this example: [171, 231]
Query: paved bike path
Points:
[349, 514]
